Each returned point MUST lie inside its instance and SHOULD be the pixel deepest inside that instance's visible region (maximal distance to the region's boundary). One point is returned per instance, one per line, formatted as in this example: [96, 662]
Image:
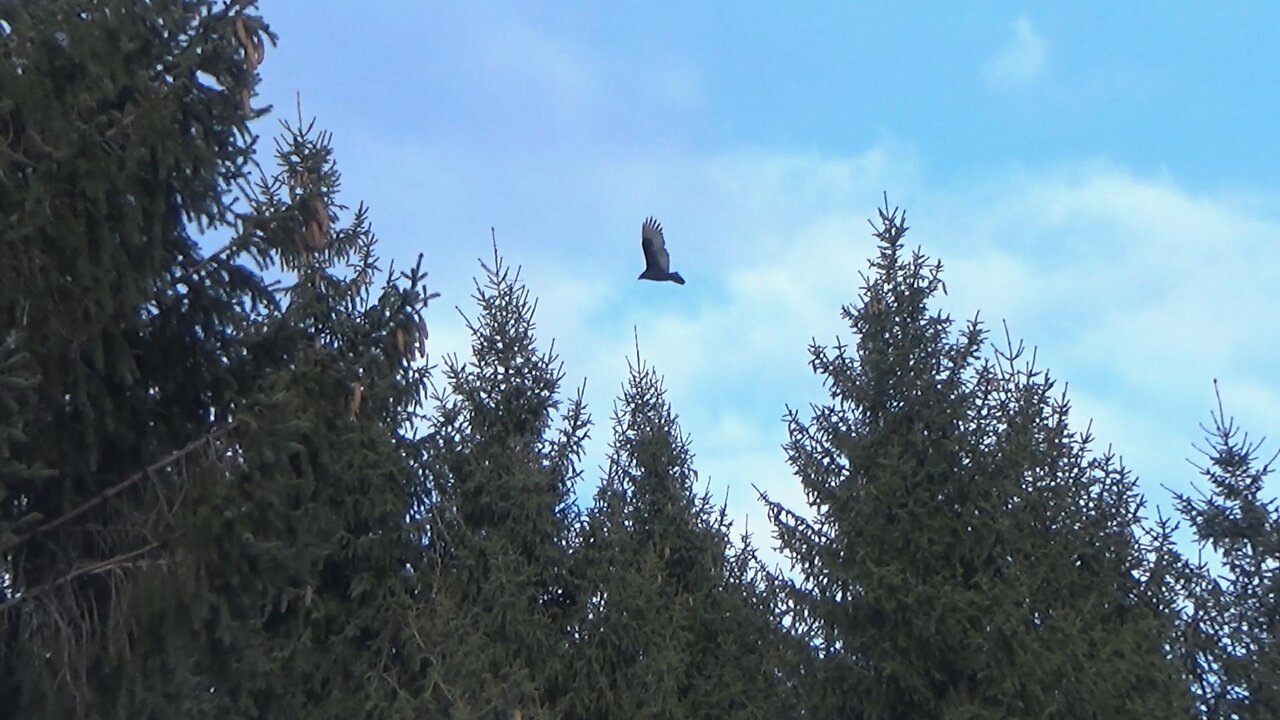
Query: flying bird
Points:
[657, 263]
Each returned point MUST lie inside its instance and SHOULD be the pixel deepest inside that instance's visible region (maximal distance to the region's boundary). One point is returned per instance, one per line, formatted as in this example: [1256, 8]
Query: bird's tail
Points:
[675, 277]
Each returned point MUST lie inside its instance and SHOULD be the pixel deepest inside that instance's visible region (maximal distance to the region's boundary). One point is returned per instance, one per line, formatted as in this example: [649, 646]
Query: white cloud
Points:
[1136, 291]
[1021, 61]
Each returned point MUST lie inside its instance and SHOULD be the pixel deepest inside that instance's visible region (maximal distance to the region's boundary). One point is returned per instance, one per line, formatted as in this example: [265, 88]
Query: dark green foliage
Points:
[297, 565]
[204, 488]
[214, 502]
[674, 625]
[501, 469]
[967, 556]
[110, 147]
[1234, 617]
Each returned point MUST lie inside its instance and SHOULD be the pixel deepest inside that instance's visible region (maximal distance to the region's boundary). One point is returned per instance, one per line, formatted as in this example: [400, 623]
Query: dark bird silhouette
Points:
[657, 263]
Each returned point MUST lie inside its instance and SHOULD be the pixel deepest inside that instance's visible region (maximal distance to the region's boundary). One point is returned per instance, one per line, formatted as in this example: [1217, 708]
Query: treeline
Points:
[227, 496]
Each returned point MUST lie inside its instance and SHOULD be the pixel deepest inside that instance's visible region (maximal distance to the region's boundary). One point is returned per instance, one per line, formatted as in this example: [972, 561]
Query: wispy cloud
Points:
[1129, 286]
[1021, 61]
[1137, 290]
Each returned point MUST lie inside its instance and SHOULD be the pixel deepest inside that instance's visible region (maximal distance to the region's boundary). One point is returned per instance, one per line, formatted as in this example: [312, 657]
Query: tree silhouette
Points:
[966, 556]
[674, 624]
[1234, 599]
[205, 476]
[116, 155]
[503, 449]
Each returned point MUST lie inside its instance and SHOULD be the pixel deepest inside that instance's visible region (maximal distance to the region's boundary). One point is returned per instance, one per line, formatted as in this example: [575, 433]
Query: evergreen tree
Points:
[674, 625]
[503, 451]
[204, 488]
[966, 555]
[1234, 620]
[294, 567]
[124, 129]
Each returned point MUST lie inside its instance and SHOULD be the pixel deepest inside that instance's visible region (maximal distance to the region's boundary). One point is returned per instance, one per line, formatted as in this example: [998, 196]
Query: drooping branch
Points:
[100, 566]
[117, 488]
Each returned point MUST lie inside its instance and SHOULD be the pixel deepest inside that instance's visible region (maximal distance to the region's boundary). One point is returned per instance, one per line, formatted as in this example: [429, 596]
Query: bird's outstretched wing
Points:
[654, 246]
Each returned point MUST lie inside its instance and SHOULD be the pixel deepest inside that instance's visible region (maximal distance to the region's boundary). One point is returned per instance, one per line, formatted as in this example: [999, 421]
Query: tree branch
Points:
[117, 488]
[108, 564]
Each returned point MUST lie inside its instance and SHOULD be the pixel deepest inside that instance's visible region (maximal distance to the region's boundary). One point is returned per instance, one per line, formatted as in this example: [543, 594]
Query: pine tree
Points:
[966, 555]
[1234, 620]
[206, 479]
[674, 625]
[502, 462]
[294, 568]
[125, 127]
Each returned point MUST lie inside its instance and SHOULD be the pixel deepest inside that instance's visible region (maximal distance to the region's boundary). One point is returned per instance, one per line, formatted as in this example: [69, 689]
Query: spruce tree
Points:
[294, 567]
[674, 624]
[206, 478]
[966, 555]
[503, 448]
[1234, 598]
[125, 130]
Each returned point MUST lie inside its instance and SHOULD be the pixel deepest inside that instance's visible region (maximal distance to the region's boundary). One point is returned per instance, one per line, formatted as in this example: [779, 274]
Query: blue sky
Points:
[1102, 176]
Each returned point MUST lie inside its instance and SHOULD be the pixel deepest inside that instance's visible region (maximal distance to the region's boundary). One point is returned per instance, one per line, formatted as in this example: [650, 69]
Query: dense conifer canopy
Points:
[231, 485]
[676, 624]
[966, 555]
